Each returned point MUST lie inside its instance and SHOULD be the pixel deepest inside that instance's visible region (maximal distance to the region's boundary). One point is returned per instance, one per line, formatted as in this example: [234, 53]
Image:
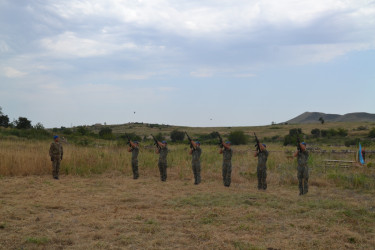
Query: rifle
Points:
[190, 140]
[128, 141]
[257, 143]
[298, 144]
[156, 142]
[220, 141]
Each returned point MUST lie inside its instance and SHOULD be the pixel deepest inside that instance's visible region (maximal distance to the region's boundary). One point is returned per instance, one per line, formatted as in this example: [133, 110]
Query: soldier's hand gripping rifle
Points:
[220, 141]
[156, 143]
[257, 145]
[190, 140]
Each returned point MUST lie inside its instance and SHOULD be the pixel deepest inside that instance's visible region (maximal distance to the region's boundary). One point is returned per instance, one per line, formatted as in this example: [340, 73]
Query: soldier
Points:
[56, 154]
[196, 152]
[262, 155]
[162, 150]
[134, 149]
[303, 170]
[227, 162]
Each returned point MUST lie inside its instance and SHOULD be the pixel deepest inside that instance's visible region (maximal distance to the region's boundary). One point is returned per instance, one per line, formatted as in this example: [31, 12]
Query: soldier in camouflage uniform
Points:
[262, 167]
[134, 149]
[162, 164]
[56, 154]
[303, 170]
[196, 152]
[227, 162]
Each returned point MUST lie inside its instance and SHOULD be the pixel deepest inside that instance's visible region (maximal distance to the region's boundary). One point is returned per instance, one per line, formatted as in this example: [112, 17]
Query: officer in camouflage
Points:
[262, 155]
[303, 170]
[56, 154]
[134, 149]
[227, 162]
[162, 150]
[196, 152]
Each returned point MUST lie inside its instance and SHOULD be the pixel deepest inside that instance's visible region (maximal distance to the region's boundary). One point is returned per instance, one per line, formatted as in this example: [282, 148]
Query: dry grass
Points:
[112, 211]
[96, 204]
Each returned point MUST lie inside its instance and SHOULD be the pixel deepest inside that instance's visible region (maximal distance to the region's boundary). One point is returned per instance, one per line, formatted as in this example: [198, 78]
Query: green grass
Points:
[38, 240]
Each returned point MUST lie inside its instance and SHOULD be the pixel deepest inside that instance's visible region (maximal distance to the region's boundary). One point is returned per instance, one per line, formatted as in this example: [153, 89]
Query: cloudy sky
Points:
[185, 62]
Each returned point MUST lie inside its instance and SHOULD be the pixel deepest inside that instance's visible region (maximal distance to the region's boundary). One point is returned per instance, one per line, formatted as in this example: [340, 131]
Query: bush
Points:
[82, 130]
[106, 133]
[371, 134]
[315, 132]
[177, 135]
[237, 137]
[291, 139]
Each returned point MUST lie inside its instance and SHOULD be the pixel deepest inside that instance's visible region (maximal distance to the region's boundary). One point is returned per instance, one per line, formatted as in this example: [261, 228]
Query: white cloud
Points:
[12, 72]
[4, 47]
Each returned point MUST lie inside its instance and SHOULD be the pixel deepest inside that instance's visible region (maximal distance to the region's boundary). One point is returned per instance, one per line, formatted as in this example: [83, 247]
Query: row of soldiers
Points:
[56, 154]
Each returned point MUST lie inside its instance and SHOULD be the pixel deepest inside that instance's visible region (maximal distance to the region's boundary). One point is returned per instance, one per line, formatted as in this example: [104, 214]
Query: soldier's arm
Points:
[262, 148]
[161, 144]
[226, 145]
[133, 144]
[256, 154]
[129, 149]
[191, 151]
[295, 154]
[50, 150]
[221, 151]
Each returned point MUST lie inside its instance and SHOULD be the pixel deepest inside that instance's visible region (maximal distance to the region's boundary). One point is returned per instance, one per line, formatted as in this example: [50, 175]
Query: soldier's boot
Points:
[198, 179]
[264, 185]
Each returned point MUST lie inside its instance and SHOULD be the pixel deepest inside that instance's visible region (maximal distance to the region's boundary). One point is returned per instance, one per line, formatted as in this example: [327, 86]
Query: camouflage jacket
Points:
[56, 150]
[196, 154]
[302, 158]
[163, 152]
[227, 155]
[262, 158]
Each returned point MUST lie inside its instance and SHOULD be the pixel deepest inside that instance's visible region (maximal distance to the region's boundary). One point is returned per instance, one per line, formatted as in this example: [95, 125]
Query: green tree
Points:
[237, 137]
[39, 126]
[23, 123]
[4, 121]
[321, 120]
[177, 135]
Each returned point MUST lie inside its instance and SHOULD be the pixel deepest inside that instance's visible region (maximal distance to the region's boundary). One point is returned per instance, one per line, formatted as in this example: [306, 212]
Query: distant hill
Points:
[313, 117]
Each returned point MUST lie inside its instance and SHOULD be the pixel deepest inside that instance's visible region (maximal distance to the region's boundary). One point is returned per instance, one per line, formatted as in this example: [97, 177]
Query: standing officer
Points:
[134, 149]
[162, 150]
[227, 162]
[262, 155]
[56, 154]
[303, 170]
[196, 152]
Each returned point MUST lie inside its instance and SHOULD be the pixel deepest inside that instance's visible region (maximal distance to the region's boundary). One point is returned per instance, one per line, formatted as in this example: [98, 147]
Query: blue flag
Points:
[360, 155]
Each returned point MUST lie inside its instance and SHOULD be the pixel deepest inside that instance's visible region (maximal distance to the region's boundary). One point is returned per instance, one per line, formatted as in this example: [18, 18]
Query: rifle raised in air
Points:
[128, 141]
[257, 143]
[190, 141]
[299, 144]
[220, 141]
[156, 143]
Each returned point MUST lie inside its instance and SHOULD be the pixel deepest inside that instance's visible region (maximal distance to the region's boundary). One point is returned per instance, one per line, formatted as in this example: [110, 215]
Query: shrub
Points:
[106, 133]
[371, 134]
[177, 135]
[315, 132]
[237, 137]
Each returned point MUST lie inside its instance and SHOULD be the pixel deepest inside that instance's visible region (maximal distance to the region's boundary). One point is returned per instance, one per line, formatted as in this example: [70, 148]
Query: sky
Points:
[190, 63]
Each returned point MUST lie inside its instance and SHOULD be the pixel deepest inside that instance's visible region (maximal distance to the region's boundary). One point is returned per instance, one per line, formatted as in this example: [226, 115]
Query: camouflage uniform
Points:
[135, 152]
[227, 166]
[262, 169]
[56, 153]
[163, 152]
[196, 164]
[303, 172]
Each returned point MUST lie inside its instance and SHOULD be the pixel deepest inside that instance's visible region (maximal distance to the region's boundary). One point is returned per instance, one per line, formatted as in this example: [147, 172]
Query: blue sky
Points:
[193, 63]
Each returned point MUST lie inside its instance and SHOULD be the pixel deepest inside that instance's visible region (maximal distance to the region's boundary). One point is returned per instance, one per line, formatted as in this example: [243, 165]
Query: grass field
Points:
[96, 203]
